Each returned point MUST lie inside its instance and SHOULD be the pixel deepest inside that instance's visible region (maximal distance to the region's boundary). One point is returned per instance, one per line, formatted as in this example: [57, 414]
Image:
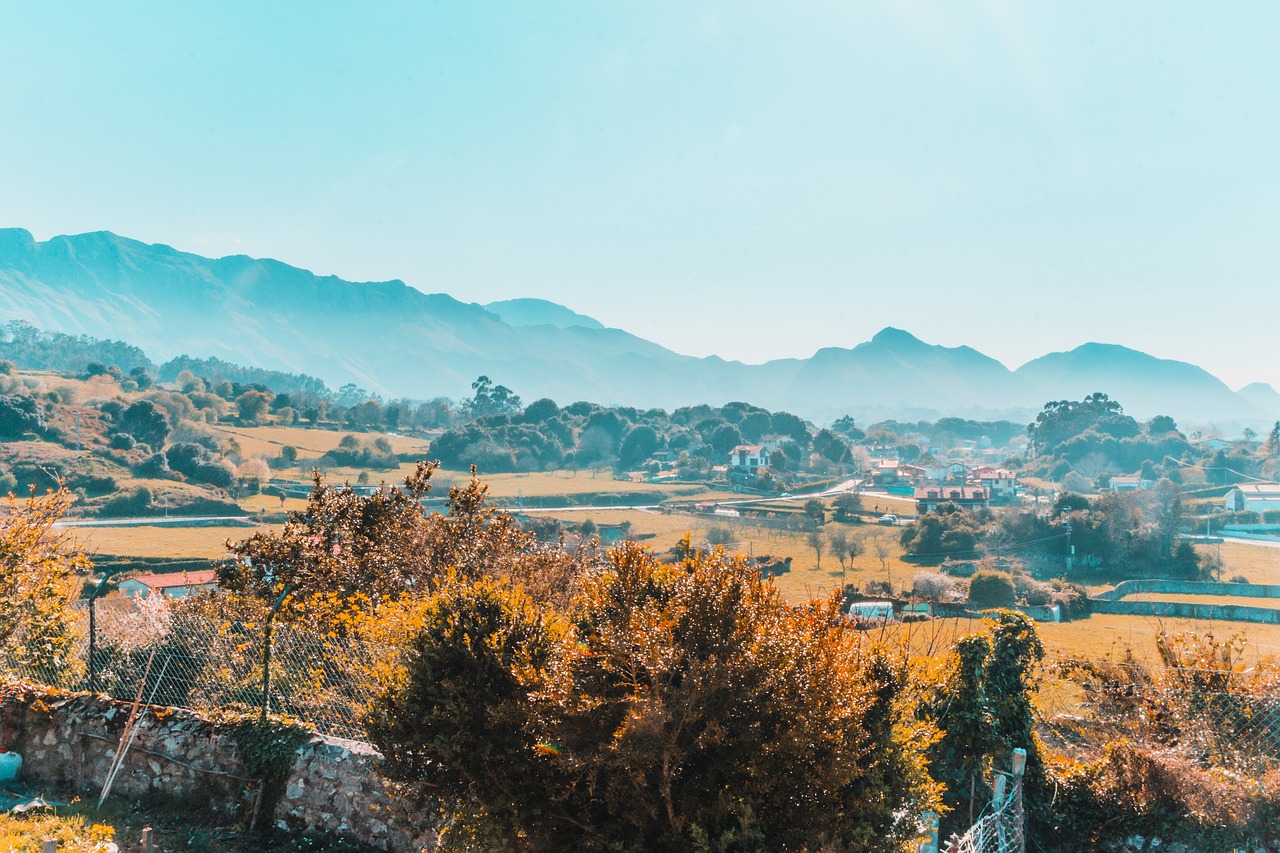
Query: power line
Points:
[1229, 470]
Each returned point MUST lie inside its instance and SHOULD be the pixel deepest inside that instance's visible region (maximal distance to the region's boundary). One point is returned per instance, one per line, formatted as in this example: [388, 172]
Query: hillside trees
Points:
[622, 721]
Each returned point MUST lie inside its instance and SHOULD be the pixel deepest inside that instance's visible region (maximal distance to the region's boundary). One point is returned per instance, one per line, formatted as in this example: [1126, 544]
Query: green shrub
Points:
[991, 589]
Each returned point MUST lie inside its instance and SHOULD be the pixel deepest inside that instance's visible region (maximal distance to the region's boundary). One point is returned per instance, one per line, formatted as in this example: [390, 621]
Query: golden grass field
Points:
[1105, 635]
[311, 443]
[158, 541]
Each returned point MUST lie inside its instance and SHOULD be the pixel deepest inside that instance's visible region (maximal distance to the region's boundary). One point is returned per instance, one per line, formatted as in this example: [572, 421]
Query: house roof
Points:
[748, 448]
[1260, 489]
[997, 474]
[177, 579]
[946, 493]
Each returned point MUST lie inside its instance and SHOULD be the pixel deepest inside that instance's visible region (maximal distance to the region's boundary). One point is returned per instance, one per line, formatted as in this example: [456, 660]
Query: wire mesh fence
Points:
[177, 659]
[1002, 827]
[1225, 717]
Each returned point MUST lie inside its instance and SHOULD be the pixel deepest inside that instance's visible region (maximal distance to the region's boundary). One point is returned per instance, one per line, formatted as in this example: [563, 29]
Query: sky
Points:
[752, 180]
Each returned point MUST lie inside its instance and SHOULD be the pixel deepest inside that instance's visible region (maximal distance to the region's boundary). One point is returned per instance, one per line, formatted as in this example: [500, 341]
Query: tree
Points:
[814, 540]
[1168, 512]
[252, 405]
[637, 445]
[146, 422]
[846, 505]
[933, 586]
[816, 509]
[541, 410]
[1272, 446]
[621, 722]
[947, 531]
[838, 546]
[19, 415]
[725, 438]
[254, 471]
[490, 399]
[826, 444]
[38, 564]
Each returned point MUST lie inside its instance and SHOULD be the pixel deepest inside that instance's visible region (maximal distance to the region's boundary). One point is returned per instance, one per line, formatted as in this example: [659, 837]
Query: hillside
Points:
[398, 341]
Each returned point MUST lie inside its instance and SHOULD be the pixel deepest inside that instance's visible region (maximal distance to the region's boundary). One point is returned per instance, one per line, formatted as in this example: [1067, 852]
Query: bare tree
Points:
[814, 538]
[880, 547]
[838, 543]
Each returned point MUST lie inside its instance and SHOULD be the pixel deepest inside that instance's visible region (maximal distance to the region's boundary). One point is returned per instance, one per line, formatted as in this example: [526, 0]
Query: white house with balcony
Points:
[748, 459]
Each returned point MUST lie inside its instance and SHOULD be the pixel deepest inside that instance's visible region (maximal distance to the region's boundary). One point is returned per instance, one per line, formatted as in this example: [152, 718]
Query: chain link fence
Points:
[177, 659]
[1002, 828]
[1225, 717]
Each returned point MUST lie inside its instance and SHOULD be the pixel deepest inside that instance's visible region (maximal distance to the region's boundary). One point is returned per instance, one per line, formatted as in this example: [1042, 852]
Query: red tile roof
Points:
[174, 579]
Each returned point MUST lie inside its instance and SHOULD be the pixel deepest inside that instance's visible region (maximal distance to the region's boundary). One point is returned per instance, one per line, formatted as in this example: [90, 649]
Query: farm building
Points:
[872, 610]
[1253, 497]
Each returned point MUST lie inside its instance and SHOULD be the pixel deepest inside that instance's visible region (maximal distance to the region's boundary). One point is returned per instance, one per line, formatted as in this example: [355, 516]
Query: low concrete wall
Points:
[69, 741]
[1189, 610]
[1146, 585]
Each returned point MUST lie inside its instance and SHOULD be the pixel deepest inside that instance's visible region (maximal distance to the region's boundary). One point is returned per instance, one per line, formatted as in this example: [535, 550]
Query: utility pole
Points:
[1071, 548]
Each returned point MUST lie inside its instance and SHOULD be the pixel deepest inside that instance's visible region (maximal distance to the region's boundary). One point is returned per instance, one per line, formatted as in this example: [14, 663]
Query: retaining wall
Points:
[1111, 600]
[333, 788]
[1145, 585]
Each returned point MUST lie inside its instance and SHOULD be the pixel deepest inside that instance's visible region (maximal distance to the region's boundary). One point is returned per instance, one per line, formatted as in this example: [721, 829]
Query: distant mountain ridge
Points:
[396, 340]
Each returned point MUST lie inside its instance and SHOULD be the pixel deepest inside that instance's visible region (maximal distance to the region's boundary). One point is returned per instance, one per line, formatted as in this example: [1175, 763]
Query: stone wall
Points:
[68, 741]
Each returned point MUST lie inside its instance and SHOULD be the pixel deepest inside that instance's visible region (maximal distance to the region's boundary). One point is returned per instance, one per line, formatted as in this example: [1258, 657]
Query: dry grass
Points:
[1105, 635]
[157, 541]
[266, 441]
[805, 580]
[1258, 563]
[1205, 599]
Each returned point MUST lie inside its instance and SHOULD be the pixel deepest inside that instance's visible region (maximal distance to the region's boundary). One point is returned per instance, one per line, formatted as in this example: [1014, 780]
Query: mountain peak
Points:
[889, 336]
[540, 312]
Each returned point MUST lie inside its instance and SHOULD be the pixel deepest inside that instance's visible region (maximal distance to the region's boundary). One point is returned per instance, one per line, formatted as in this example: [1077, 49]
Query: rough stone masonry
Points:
[68, 741]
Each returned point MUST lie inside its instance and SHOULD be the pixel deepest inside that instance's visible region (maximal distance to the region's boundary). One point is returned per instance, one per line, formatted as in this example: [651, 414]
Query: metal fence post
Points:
[266, 653]
[930, 842]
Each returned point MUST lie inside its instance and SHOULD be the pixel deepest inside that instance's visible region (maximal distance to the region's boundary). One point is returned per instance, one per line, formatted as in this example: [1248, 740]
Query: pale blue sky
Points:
[748, 179]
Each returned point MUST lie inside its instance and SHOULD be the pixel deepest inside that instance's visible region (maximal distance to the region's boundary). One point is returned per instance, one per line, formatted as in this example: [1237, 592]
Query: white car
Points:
[890, 519]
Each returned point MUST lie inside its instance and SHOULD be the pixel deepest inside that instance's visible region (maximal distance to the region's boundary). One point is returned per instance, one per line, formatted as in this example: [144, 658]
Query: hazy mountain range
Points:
[398, 341]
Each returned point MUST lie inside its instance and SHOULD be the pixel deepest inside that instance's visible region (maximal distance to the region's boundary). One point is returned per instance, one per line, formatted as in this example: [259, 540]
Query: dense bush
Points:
[991, 589]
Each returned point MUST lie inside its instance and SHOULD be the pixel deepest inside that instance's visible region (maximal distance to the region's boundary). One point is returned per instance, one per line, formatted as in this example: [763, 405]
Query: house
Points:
[1253, 497]
[966, 497]
[748, 458]
[945, 472]
[773, 442]
[1001, 483]
[1130, 483]
[174, 585]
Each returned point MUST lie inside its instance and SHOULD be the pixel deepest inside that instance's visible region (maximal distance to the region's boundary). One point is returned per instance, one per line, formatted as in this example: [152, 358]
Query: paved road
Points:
[1262, 543]
[172, 521]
